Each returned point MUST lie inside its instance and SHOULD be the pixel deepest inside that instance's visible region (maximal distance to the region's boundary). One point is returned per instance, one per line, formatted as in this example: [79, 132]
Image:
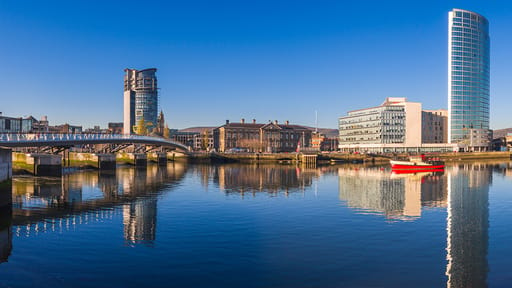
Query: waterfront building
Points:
[140, 99]
[394, 126]
[256, 137]
[197, 138]
[468, 80]
[27, 124]
[434, 126]
[10, 124]
[324, 140]
[115, 127]
[66, 129]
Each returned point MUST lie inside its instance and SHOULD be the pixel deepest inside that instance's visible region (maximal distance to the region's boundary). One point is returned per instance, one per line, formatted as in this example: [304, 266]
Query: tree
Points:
[166, 133]
[141, 127]
[204, 140]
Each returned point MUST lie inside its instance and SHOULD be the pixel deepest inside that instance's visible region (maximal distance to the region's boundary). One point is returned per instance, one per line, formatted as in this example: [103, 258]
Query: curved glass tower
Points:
[140, 98]
[468, 80]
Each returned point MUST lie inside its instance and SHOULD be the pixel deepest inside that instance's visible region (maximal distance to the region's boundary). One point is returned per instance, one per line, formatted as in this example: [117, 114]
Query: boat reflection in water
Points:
[398, 196]
[463, 190]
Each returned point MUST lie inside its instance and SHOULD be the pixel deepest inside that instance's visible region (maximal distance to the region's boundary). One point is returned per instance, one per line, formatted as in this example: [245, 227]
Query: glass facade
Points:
[140, 99]
[146, 97]
[468, 78]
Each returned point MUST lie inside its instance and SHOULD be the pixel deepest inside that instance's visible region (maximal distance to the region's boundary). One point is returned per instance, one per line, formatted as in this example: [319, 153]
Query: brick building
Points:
[256, 137]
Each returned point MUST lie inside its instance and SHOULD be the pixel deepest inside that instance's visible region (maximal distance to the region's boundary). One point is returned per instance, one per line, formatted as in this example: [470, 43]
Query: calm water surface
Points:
[260, 226]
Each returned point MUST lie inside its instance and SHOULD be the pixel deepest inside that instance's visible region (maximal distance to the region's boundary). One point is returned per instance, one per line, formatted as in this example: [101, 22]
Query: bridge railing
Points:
[28, 138]
[64, 136]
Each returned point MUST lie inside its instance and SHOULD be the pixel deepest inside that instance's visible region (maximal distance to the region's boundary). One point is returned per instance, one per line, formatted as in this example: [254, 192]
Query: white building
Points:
[394, 126]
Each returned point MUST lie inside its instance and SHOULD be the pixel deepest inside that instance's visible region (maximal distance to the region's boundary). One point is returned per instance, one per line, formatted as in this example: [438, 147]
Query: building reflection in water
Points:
[50, 204]
[468, 225]
[5, 233]
[253, 179]
[397, 196]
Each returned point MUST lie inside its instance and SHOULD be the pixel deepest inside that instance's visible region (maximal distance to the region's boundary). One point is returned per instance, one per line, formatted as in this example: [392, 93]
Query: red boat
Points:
[418, 163]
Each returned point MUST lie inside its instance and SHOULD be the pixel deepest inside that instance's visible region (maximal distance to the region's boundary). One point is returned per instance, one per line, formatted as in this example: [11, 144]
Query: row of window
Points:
[468, 74]
[458, 42]
[461, 15]
[468, 35]
[470, 91]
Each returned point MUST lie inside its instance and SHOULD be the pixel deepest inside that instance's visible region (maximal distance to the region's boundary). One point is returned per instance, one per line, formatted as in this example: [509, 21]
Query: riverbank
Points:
[335, 157]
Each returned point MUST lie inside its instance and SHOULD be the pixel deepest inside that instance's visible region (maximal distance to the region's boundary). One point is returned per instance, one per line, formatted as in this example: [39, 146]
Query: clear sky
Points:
[219, 60]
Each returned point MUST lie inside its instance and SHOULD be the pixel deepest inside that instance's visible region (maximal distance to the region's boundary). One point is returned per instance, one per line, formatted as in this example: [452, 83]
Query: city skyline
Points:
[230, 60]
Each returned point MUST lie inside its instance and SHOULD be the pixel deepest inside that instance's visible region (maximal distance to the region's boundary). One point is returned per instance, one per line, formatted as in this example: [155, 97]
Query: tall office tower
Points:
[140, 98]
[468, 80]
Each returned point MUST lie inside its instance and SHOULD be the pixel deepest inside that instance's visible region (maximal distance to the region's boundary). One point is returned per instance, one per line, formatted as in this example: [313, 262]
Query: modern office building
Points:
[468, 80]
[395, 126]
[140, 99]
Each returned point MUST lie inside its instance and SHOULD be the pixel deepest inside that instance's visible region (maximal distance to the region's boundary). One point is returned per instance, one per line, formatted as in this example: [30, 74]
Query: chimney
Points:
[253, 121]
[242, 121]
[227, 122]
[275, 122]
[287, 122]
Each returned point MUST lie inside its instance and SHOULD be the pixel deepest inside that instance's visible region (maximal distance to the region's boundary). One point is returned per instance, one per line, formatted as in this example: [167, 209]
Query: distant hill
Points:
[501, 133]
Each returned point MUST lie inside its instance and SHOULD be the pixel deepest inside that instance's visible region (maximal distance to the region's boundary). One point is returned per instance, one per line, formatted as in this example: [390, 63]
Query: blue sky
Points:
[218, 60]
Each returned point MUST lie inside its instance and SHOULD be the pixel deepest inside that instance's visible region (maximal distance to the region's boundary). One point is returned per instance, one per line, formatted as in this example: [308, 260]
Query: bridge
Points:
[68, 140]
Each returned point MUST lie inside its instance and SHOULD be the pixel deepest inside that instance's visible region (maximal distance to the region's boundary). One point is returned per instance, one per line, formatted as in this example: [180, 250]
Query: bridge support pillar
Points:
[158, 157]
[141, 159]
[5, 165]
[106, 161]
[5, 179]
[137, 159]
[45, 164]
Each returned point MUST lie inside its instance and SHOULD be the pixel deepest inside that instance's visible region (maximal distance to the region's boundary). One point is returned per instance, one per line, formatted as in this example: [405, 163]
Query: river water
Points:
[260, 226]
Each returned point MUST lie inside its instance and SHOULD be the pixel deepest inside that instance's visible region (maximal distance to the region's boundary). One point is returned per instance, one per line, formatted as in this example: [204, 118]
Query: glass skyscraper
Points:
[140, 98]
[468, 79]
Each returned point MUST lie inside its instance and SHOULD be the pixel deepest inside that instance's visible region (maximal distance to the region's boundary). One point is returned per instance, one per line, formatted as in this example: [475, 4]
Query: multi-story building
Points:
[325, 140]
[27, 124]
[66, 129]
[468, 80]
[10, 124]
[435, 126]
[197, 138]
[115, 127]
[140, 99]
[394, 126]
[255, 137]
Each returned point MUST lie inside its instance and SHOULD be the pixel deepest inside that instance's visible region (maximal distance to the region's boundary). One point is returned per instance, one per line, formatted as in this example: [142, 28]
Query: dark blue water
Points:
[260, 226]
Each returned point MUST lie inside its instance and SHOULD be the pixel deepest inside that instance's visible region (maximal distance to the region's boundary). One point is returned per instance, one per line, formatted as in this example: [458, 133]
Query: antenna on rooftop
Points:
[316, 121]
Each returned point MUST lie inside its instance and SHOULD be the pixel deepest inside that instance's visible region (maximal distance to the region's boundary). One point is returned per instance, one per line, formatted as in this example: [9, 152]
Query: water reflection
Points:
[396, 196]
[5, 233]
[468, 224]
[53, 204]
[253, 179]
